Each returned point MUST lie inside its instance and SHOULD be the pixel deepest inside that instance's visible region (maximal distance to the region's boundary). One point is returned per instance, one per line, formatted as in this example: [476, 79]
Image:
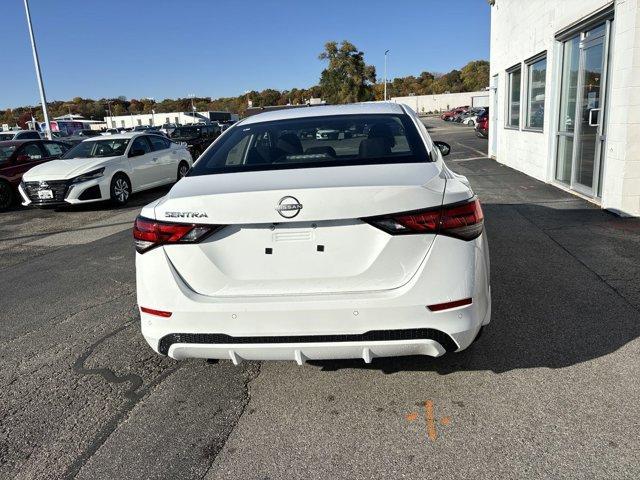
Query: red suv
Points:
[18, 156]
[482, 124]
[448, 115]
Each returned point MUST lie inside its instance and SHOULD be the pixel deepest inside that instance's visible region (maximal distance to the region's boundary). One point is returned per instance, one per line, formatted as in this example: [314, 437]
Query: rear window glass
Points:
[314, 142]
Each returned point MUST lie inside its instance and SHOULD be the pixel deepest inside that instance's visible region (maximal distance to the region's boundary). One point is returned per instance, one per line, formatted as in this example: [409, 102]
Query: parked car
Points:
[87, 133]
[471, 117]
[448, 115]
[106, 168]
[167, 128]
[196, 137]
[276, 248]
[20, 135]
[482, 124]
[18, 156]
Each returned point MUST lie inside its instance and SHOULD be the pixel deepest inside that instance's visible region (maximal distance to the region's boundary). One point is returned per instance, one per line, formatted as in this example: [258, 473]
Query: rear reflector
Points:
[463, 220]
[438, 307]
[157, 313]
[149, 233]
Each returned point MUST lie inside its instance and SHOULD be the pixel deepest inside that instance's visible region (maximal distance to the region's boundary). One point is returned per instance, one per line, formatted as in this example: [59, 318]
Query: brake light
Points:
[463, 220]
[148, 233]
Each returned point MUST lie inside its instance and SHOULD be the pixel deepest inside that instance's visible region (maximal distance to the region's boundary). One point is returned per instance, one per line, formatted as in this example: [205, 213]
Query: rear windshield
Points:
[314, 142]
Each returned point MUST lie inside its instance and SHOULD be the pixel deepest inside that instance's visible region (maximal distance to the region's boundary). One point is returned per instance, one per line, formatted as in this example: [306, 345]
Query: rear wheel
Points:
[120, 189]
[183, 168]
[6, 195]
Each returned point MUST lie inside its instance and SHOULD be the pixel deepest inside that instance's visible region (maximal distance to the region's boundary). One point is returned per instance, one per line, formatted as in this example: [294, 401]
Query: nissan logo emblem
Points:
[288, 207]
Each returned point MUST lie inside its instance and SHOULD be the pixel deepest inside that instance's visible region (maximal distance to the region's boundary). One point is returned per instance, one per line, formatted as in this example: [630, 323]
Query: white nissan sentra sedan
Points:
[106, 168]
[280, 246]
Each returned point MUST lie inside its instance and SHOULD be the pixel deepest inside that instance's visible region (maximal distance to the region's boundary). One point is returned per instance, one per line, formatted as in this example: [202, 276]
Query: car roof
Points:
[388, 108]
[114, 137]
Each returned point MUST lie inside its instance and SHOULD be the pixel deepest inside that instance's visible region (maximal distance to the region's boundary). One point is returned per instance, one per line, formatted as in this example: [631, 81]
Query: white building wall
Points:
[130, 121]
[444, 101]
[523, 29]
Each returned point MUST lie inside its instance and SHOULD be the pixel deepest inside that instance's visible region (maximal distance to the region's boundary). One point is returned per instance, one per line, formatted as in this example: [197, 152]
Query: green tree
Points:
[347, 77]
[475, 75]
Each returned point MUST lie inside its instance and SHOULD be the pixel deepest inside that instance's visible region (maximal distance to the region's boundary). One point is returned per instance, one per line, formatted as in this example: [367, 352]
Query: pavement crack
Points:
[107, 374]
[134, 394]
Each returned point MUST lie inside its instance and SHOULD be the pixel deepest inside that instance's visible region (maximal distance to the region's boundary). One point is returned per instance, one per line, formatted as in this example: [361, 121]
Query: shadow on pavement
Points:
[556, 301]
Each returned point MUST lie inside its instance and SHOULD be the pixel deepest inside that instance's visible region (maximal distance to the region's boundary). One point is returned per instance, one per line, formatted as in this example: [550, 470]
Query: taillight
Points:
[463, 220]
[148, 233]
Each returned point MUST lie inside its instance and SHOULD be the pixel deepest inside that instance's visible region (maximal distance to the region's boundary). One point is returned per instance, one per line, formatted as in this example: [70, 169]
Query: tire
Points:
[7, 196]
[120, 190]
[183, 168]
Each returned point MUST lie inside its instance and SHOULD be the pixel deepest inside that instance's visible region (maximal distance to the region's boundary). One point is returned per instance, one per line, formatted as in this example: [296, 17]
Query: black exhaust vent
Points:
[373, 336]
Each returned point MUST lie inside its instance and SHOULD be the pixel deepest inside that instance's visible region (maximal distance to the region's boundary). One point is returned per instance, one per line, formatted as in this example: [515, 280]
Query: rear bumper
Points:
[351, 325]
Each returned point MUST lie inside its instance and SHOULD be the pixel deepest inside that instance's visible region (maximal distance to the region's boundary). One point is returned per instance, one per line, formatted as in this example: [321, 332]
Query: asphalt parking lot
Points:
[550, 390]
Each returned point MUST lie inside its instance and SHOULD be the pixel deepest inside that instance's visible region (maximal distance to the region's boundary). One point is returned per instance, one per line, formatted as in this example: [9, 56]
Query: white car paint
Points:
[471, 121]
[155, 168]
[365, 295]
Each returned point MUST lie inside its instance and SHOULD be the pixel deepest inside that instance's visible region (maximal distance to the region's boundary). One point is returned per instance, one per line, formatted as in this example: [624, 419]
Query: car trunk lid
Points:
[321, 247]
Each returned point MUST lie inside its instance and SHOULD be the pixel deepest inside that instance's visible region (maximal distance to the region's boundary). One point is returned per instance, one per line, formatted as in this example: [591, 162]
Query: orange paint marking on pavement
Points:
[431, 426]
[411, 416]
[445, 420]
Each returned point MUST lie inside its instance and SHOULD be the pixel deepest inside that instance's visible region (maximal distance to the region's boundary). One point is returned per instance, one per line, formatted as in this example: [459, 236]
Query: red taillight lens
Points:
[460, 220]
[438, 307]
[157, 313]
[152, 233]
[464, 221]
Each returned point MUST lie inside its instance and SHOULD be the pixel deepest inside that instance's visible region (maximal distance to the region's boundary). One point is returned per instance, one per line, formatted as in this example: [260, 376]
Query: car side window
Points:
[237, 153]
[158, 143]
[28, 135]
[32, 151]
[54, 149]
[141, 143]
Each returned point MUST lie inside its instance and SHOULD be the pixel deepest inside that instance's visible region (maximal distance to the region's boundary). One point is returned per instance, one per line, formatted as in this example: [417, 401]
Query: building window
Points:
[113, 123]
[513, 86]
[536, 83]
[176, 119]
[166, 120]
[122, 123]
[139, 121]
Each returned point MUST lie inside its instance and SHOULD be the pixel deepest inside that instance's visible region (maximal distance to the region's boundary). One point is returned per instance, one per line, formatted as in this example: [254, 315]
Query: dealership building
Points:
[565, 95]
[160, 118]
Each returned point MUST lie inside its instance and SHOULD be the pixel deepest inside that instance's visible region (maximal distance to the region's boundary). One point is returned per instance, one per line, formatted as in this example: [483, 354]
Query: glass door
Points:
[580, 132]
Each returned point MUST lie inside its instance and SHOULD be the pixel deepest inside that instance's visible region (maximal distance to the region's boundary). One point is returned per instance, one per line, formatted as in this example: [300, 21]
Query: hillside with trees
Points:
[346, 78]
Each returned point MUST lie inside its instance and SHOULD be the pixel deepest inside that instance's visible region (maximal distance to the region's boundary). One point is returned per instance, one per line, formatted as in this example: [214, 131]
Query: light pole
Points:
[193, 108]
[36, 61]
[153, 120]
[386, 53]
[110, 115]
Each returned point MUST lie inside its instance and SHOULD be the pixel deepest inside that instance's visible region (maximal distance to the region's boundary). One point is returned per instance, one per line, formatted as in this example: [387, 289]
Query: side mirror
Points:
[444, 147]
[136, 152]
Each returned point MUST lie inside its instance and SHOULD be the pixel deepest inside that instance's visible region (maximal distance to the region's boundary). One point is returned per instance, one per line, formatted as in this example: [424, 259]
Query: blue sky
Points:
[163, 48]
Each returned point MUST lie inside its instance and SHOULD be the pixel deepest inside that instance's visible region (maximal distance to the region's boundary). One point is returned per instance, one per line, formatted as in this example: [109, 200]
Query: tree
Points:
[475, 75]
[347, 78]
